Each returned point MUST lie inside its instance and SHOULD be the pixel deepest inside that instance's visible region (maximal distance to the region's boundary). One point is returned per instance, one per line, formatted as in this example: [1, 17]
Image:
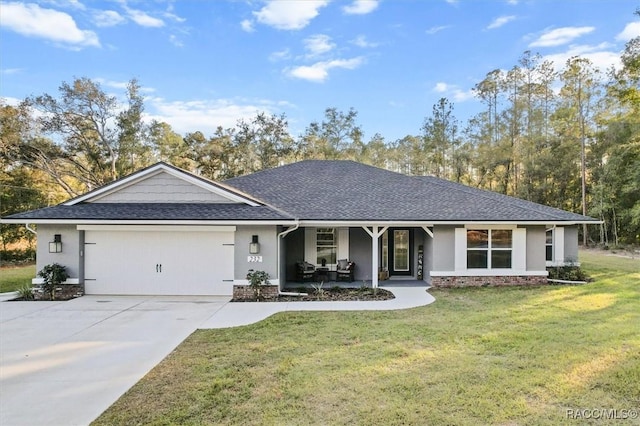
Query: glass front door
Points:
[400, 251]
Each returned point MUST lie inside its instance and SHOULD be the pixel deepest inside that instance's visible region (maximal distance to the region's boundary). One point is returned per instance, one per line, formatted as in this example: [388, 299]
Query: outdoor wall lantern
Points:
[55, 246]
[254, 245]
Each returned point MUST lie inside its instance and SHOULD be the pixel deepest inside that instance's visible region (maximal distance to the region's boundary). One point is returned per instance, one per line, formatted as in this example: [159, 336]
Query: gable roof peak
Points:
[233, 194]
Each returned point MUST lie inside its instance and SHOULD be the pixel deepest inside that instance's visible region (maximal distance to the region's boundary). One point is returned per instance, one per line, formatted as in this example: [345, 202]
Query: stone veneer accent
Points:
[245, 292]
[63, 292]
[476, 281]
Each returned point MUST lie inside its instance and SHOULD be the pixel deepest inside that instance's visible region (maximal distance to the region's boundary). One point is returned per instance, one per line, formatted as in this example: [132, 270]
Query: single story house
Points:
[165, 231]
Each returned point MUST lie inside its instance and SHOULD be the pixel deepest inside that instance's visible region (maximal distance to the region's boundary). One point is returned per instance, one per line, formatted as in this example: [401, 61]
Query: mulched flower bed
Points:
[331, 295]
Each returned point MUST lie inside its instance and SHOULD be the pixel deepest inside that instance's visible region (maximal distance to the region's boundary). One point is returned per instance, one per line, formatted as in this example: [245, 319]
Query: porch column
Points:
[375, 233]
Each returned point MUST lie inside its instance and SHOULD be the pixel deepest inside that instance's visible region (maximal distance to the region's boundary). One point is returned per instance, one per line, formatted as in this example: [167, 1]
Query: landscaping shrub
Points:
[53, 275]
[256, 280]
[18, 255]
[570, 272]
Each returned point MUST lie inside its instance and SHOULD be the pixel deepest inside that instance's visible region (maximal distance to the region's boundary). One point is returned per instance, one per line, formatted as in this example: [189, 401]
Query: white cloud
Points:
[174, 17]
[319, 71]
[247, 25]
[289, 14]
[69, 4]
[361, 7]
[560, 36]
[453, 91]
[280, 55]
[120, 85]
[203, 115]
[10, 71]
[462, 95]
[318, 44]
[500, 21]
[361, 41]
[439, 28]
[143, 19]
[34, 21]
[512, 2]
[631, 30]
[107, 18]
[599, 55]
[440, 87]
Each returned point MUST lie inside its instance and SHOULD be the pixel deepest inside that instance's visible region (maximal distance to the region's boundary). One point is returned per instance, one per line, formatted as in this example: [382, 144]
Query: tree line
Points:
[568, 139]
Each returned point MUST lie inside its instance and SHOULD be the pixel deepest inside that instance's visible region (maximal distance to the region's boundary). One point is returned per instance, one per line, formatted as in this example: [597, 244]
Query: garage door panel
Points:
[165, 263]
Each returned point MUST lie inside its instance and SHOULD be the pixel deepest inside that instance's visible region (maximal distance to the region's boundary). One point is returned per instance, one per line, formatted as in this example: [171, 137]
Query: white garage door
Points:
[161, 262]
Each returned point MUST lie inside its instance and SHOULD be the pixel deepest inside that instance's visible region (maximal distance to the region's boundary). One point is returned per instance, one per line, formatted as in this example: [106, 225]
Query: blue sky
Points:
[208, 63]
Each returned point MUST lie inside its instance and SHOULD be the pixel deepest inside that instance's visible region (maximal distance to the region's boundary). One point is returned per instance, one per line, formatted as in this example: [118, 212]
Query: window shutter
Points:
[519, 253]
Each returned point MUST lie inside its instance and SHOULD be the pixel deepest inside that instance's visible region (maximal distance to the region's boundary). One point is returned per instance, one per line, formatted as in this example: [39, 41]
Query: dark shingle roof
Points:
[346, 190]
[153, 211]
[331, 191]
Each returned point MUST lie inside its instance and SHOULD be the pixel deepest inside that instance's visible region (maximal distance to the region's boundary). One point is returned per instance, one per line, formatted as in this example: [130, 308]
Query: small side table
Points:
[322, 274]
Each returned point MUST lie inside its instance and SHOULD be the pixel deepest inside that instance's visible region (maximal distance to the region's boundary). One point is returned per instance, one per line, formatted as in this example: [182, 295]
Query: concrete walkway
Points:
[236, 314]
[64, 363]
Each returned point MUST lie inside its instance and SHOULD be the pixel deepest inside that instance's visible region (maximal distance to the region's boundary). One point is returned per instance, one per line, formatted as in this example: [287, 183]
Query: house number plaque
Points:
[254, 259]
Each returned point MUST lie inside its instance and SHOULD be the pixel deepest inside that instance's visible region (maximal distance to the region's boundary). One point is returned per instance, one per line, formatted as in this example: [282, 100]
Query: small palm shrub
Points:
[26, 292]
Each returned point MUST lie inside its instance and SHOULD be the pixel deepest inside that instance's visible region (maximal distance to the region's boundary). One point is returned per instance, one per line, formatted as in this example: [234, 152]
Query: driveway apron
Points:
[64, 363]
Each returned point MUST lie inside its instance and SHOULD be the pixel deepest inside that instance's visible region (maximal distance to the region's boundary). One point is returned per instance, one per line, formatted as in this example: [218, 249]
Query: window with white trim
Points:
[326, 246]
[549, 245]
[489, 248]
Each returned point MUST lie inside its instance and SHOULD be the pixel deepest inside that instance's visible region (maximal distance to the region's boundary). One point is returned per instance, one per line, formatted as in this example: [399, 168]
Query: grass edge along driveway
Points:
[14, 277]
[517, 356]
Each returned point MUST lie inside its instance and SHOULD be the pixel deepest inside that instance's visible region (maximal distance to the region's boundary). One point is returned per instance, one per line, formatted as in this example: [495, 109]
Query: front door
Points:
[400, 251]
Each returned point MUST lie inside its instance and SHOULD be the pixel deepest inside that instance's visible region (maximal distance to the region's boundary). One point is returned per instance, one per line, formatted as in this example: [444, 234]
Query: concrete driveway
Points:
[64, 363]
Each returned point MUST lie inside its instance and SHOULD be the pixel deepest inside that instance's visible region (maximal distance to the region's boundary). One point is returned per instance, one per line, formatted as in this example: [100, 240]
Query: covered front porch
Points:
[394, 254]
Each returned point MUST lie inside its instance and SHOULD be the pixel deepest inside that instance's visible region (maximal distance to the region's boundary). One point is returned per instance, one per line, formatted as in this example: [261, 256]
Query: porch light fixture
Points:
[55, 246]
[254, 245]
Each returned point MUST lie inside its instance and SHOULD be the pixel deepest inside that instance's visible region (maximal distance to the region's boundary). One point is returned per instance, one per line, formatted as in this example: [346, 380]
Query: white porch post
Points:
[375, 233]
[374, 257]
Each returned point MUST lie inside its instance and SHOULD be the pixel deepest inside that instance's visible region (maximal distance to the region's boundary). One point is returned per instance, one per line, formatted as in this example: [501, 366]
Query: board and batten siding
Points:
[162, 188]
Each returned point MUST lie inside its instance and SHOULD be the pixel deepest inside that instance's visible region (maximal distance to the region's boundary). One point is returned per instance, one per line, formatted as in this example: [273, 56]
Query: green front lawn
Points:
[12, 278]
[510, 356]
